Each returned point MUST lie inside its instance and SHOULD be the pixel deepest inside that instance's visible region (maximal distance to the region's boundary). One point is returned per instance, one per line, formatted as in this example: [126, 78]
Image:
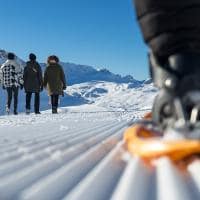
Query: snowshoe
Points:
[149, 142]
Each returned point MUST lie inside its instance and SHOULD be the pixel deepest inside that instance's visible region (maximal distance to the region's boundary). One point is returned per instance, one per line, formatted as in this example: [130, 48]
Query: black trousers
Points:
[37, 101]
[12, 92]
[170, 26]
[54, 101]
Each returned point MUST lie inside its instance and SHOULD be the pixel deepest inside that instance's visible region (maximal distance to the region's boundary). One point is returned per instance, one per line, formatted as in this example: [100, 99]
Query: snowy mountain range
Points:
[3, 57]
[82, 73]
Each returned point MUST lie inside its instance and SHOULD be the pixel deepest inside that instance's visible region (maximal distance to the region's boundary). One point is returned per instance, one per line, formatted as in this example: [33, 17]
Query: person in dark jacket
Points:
[11, 74]
[33, 83]
[54, 81]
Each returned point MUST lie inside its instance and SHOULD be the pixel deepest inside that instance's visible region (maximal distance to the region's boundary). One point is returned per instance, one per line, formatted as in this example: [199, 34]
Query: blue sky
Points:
[100, 33]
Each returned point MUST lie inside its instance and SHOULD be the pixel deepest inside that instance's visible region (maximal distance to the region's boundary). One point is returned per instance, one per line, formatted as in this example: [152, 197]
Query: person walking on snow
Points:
[12, 79]
[54, 81]
[33, 83]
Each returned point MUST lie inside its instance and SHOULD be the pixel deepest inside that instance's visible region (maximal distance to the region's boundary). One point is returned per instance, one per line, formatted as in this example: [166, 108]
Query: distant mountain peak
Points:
[77, 73]
[3, 57]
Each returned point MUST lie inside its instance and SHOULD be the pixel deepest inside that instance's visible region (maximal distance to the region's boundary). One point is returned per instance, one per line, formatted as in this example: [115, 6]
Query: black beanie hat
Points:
[11, 56]
[32, 57]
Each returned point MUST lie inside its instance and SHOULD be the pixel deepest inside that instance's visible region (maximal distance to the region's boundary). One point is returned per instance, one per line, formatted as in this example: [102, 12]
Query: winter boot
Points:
[54, 110]
[178, 78]
[15, 112]
[7, 110]
[28, 111]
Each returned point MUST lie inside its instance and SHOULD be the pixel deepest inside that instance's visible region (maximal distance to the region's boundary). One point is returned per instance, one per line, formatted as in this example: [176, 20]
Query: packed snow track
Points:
[81, 155]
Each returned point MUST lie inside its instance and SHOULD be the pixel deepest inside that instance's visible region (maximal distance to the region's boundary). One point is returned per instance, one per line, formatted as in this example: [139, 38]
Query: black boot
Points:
[15, 112]
[178, 78]
[54, 110]
[37, 112]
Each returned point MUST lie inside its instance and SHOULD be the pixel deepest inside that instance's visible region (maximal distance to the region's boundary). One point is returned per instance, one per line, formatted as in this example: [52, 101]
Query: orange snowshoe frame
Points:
[147, 144]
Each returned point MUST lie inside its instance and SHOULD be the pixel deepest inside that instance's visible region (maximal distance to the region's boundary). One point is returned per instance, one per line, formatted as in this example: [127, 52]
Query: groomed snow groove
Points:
[87, 160]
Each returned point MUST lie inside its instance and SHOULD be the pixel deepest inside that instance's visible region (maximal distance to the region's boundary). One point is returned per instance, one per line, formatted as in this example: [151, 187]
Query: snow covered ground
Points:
[46, 156]
[87, 103]
[109, 96]
[79, 153]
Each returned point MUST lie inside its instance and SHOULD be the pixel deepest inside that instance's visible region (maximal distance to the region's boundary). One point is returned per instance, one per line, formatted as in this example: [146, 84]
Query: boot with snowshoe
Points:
[173, 128]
